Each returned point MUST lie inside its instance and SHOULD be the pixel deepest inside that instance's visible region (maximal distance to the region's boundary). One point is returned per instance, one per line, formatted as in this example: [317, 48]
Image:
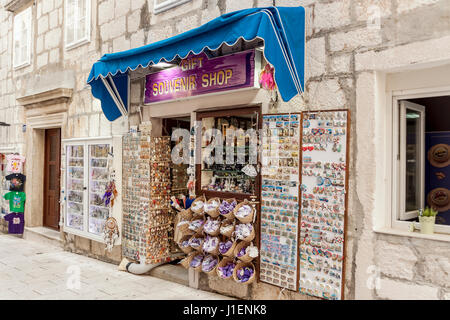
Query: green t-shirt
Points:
[16, 201]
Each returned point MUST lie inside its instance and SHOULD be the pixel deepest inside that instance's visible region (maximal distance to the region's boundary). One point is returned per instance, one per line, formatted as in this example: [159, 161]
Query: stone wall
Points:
[348, 42]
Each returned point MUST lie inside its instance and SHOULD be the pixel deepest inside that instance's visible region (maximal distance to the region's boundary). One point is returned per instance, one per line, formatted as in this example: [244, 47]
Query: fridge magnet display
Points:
[280, 200]
[147, 214]
[323, 203]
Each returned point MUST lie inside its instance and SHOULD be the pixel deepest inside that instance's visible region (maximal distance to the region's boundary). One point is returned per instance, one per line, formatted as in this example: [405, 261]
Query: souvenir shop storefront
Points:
[245, 197]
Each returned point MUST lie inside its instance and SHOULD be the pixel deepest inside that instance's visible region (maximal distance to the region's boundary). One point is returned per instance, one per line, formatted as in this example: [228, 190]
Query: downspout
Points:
[137, 268]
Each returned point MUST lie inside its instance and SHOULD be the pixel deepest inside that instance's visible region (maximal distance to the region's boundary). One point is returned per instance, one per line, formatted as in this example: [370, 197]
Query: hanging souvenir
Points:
[110, 233]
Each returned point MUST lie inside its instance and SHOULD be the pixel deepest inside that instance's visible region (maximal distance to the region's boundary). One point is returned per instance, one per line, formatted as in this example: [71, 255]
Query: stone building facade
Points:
[360, 54]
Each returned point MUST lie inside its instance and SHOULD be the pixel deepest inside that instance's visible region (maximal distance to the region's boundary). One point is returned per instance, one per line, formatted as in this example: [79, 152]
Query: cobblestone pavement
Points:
[33, 270]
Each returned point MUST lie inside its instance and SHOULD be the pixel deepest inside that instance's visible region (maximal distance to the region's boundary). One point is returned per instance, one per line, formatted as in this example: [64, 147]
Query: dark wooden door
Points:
[52, 172]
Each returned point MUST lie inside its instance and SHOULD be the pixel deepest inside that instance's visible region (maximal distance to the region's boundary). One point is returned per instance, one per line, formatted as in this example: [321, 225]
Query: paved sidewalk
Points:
[31, 270]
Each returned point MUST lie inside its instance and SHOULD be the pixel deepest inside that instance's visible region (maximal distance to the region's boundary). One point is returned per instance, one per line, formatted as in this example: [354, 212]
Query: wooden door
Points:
[52, 172]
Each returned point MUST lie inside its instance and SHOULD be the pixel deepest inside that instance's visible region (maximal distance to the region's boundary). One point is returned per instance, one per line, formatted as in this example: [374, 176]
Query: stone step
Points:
[170, 272]
[43, 235]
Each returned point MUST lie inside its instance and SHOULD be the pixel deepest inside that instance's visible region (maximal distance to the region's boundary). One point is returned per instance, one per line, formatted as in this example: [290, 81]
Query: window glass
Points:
[412, 160]
[22, 37]
[77, 21]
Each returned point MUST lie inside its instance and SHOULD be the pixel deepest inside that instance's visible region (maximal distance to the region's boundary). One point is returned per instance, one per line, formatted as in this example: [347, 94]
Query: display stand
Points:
[147, 220]
[323, 209]
[280, 200]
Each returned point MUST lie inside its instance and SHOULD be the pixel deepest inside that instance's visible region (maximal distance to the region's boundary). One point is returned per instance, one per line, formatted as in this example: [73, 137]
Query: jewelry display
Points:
[323, 203]
[279, 199]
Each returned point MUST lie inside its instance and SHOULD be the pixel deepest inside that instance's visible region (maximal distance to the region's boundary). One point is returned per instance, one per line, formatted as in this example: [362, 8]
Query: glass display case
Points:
[229, 153]
[87, 177]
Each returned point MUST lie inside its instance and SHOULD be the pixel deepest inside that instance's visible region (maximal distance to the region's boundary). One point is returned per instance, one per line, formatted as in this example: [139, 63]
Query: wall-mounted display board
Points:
[324, 185]
[280, 200]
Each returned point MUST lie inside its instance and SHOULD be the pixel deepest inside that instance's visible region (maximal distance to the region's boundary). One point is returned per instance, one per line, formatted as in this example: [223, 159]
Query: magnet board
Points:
[280, 200]
[324, 185]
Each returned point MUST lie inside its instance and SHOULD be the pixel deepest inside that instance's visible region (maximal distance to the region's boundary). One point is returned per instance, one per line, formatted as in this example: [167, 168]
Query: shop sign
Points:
[198, 74]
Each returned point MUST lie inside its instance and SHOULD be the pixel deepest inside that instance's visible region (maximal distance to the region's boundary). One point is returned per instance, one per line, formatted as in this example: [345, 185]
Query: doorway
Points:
[52, 170]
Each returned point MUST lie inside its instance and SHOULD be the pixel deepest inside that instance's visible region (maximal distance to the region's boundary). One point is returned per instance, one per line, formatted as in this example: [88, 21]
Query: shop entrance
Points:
[52, 163]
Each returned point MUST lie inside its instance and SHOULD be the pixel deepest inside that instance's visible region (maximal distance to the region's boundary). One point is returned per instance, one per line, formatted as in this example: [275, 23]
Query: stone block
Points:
[82, 243]
[408, 5]
[47, 6]
[331, 15]
[187, 23]
[234, 5]
[351, 40]
[42, 60]
[395, 260]
[117, 27]
[436, 269]
[294, 3]
[39, 44]
[121, 44]
[228, 286]
[53, 19]
[105, 126]
[159, 32]
[400, 56]
[105, 11]
[53, 39]
[115, 254]
[42, 24]
[341, 63]
[94, 124]
[315, 57]
[399, 290]
[121, 8]
[137, 4]
[97, 248]
[137, 39]
[136, 92]
[209, 14]
[133, 21]
[369, 10]
[326, 94]
[54, 56]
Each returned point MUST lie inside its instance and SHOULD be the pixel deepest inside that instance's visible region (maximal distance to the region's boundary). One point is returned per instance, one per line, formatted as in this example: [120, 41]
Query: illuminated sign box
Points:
[198, 74]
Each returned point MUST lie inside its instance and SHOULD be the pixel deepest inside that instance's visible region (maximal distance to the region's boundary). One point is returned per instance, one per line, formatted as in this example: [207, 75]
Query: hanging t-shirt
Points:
[17, 181]
[16, 222]
[14, 163]
[16, 201]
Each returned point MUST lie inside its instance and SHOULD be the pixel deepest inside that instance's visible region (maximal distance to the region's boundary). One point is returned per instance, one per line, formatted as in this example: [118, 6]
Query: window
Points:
[78, 22]
[22, 38]
[411, 158]
[163, 5]
[87, 176]
[421, 144]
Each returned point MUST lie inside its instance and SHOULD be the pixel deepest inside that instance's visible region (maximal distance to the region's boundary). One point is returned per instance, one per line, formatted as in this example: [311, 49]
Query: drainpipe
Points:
[137, 268]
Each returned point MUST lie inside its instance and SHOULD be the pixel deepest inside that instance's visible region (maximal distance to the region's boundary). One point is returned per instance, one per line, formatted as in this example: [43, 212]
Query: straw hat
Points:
[439, 155]
[439, 199]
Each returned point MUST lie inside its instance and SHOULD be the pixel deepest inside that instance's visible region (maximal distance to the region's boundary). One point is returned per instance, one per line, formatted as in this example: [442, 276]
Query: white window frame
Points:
[85, 142]
[395, 97]
[166, 5]
[27, 16]
[87, 36]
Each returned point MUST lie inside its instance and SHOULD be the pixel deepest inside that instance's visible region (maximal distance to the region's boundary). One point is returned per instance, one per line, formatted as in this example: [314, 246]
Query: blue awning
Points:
[281, 28]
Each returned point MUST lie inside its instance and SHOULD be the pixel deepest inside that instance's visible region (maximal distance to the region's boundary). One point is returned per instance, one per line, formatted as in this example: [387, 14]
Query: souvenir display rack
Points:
[147, 217]
[229, 179]
[324, 185]
[230, 245]
[280, 200]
